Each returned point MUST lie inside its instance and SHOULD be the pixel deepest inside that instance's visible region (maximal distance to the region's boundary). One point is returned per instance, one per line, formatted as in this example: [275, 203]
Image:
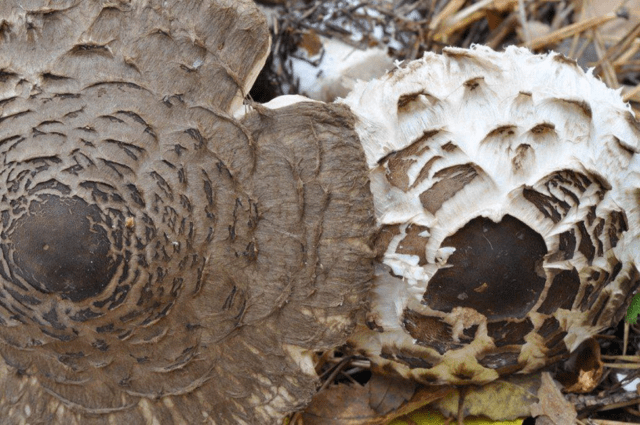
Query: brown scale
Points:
[452, 180]
[413, 243]
[398, 163]
[562, 291]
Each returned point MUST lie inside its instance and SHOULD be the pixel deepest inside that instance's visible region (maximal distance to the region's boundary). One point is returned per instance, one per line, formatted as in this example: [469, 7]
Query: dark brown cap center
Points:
[61, 245]
[496, 269]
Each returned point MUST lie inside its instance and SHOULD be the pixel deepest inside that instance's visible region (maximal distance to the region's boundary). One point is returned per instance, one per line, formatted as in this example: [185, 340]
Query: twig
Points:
[469, 15]
[625, 341]
[587, 404]
[561, 16]
[631, 94]
[310, 12]
[623, 357]
[452, 7]
[622, 365]
[619, 48]
[569, 30]
[522, 17]
[608, 73]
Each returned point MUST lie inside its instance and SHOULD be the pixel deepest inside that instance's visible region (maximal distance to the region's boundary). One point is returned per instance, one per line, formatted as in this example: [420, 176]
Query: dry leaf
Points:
[387, 394]
[344, 404]
[422, 397]
[552, 404]
[501, 400]
[381, 400]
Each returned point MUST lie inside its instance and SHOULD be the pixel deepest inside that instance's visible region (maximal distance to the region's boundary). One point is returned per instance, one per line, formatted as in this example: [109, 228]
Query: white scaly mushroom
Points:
[507, 188]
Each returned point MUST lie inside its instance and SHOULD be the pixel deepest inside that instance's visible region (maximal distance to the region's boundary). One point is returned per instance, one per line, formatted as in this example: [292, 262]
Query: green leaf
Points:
[634, 310]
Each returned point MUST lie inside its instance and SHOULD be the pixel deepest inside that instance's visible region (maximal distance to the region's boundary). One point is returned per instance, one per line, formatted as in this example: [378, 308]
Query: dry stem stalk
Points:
[608, 73]
[471, 14]
[620, 48]
[568, 31]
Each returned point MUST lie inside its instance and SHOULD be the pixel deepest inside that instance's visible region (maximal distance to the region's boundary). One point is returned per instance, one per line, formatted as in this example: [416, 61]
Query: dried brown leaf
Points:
[381, 400]
[552, 404]
[387, 394]
[345, 404]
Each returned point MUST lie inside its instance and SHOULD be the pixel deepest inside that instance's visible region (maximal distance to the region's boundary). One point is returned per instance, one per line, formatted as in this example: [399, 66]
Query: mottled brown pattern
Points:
[161, 261]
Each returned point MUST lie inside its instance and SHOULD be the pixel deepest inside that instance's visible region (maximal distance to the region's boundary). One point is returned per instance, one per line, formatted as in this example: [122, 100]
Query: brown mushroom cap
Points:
[506, 185]
[160, 260]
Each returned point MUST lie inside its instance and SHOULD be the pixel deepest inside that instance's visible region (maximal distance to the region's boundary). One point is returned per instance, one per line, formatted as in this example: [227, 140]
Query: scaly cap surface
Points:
[507, 187]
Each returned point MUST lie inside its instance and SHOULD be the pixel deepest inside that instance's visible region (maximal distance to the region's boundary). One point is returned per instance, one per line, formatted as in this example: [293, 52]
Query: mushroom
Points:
[507, 190]
[168, 256]
[161, 261]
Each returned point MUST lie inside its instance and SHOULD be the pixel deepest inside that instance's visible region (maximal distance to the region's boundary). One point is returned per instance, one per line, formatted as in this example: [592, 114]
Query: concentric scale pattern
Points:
[507, 187]
[162, 262]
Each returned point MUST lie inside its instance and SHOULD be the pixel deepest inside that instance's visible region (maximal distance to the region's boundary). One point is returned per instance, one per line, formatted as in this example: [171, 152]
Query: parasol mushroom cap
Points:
[506, 187]
[160, 260]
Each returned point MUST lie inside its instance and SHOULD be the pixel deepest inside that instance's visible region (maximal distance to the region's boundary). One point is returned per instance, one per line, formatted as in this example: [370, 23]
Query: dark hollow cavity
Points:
[496, 269]
[61, 247]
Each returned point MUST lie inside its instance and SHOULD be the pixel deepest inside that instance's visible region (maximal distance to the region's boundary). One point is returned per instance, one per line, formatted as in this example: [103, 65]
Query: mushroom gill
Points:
[160, 260]
[506, 188]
